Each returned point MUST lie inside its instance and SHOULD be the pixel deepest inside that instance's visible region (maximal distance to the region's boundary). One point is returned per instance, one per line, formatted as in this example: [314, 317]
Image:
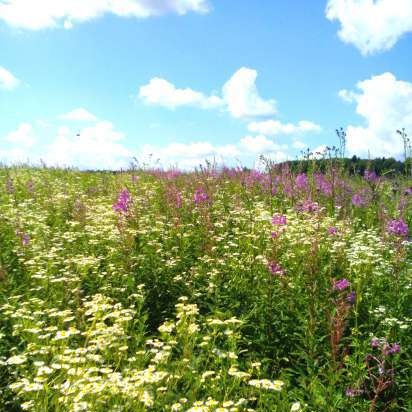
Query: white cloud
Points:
[95, 147]
[79, 115]
[22, 136]
[7, 80]
[242, 97]
[371, 25]
[275, 127]
[239, 96]
[163, 93]
[260, 145]
[297, 144]
[42, 14]
[188, 155]
[385, 103]
[191, 155]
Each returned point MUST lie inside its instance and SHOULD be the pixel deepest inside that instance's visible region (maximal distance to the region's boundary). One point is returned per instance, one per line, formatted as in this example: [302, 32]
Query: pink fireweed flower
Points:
[358, 200]
[332, 230]
[341, 284]
[375, 342]
[275, 269]
[200, 196]
[308, 206]
[123, 202]
[279, 220]
[30, 186]
[398, 228]
[322, 185]
[25, 239]
[370, 176]
[9, 186]
[351, 298]
[301, 181]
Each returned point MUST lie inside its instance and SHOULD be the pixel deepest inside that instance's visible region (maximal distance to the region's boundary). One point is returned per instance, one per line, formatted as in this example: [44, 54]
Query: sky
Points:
[99, 84]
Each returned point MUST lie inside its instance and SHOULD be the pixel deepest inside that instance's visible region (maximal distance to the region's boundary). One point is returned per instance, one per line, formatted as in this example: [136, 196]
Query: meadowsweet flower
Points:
[341, 284]
[398, 227]
[16, 360]
[267, 384]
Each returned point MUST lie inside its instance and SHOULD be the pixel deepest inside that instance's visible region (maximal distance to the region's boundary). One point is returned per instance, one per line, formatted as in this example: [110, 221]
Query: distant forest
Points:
[355, 165]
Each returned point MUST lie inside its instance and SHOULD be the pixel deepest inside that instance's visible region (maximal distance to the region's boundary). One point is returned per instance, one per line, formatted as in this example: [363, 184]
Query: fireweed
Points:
[229, 290]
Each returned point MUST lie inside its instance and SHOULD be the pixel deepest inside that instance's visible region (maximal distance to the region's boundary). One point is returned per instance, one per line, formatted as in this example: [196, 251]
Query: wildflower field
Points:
[216, 290]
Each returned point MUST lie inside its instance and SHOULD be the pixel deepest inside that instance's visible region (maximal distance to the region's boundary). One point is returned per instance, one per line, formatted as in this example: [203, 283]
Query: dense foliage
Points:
[210, 291]
[355, 165]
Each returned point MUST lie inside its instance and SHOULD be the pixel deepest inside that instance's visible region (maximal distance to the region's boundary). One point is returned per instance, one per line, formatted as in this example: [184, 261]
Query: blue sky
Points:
[186, 80]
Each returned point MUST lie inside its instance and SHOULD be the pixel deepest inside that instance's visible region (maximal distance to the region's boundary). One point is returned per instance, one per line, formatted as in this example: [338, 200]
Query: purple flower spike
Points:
[398, 228]
[200, 196]
[341, 284]
[351, 298]
[123, 201]
[375, 342]
[394, 348]
[332, 231]
[301, 181]
[25, 239]
[370, 176]
[274, 235]
[275, 269]
[279, 220]
[358, 200]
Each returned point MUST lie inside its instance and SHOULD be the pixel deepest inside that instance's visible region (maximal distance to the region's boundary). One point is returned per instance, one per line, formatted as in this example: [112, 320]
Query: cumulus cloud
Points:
[371, 25]
[260, 145]
[298, 144]
[240, 96]
[191, 155]
[79, 115]
[275, 127]
[161, 92]
[187, 155]
[385, 104]
[23, 135]
[99, 146]
[42, 14]
[95, 147]
[7, 80]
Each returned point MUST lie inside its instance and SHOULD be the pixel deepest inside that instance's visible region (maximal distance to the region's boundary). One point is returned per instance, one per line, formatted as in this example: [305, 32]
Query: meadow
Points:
[216, 290]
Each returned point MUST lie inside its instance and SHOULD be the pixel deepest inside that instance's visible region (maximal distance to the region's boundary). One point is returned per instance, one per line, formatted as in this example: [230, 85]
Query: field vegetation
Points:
[216, 290]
